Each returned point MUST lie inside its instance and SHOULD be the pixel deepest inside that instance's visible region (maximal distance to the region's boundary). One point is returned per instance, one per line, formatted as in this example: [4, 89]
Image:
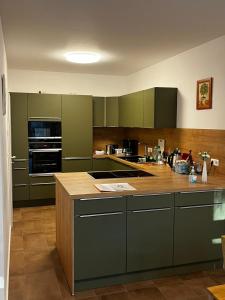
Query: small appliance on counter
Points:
[110, 148]
[130, 146]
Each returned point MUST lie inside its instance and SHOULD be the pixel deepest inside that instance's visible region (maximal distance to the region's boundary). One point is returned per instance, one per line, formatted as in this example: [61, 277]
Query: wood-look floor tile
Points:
[17, 242]
[31, 215]
[199, 285]
[35, 242]
[17, 263]
[151, 293]
[138, 285]
[84, 295]
[17, 287]
[117, 296]
[165, 281]
[37, 261]
[17, 214]
[110, 290]
[175, 292]
[42, 286]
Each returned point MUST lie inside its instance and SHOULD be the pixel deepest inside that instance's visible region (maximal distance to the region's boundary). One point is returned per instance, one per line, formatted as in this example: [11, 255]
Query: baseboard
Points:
[8, 264]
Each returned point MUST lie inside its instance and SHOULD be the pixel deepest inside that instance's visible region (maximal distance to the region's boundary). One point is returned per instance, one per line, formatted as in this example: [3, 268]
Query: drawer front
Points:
[199, 198]
[100, 205]
[101, 164]
[45, 190]
[20, 192]
[20, 172]
[41, 179]
[150, 201]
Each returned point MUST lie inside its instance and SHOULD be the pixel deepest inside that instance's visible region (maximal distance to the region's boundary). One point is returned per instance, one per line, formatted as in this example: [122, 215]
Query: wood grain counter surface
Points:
[82, 185]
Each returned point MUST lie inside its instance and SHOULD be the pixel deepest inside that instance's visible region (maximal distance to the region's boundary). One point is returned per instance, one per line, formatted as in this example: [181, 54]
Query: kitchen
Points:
[198, 130]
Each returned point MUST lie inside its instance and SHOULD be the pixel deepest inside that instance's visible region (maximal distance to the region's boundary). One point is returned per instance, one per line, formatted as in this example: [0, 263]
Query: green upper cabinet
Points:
[76, 132]
[19, 125]
[165, 108]
[112, 111]
[131, 110]
[105, 112]
[148, 108]
[152, 108]
[44, 106]
[99, 111]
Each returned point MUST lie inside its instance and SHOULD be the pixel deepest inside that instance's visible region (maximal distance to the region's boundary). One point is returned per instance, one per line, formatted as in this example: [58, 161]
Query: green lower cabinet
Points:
[20, 192]
[149, 237]
[100, 242]
[76, 165]
[197, 232]
[42, 188]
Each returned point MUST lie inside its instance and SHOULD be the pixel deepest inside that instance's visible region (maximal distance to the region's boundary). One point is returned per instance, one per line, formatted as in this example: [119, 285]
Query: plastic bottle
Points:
[192, 178]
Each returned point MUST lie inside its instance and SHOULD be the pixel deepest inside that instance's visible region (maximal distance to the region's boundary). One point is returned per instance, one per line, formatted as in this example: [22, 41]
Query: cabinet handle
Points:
[42, 175]
[149, 210]
[20, 185]
[196, 192]
[43, 183]
[45, 118]
[100, 215]
[19, 159]
[199, 206]
[89, 199]
[77, 158]
[156, 194]
[19, 169]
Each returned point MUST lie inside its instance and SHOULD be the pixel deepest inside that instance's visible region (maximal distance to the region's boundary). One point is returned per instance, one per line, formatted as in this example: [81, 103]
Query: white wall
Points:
[5, 181]
[182, 71]
[66, 83]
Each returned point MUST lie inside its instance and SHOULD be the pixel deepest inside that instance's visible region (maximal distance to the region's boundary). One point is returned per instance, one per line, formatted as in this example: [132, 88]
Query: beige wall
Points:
[5, 181]
[182, 71]
[66, 83]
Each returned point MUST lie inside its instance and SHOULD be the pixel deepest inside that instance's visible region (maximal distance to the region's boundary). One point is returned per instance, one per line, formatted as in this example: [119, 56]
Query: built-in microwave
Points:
[44, 129]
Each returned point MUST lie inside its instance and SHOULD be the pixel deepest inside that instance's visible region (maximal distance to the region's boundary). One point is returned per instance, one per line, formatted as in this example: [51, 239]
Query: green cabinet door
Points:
[19, 125]
[150, 235]
[100, 243]
[42, 187]
[98, 111]
[112, 112]
[165, 108]
[197, 232]
[42, 106]
[131, 110]
[76, 132]
[148, 108]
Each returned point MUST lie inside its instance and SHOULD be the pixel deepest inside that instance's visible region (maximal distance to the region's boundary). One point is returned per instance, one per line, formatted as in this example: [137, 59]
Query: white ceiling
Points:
[130, 34]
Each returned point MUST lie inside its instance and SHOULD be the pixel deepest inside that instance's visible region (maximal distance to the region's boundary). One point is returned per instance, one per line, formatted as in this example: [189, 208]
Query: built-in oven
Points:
[45, 147]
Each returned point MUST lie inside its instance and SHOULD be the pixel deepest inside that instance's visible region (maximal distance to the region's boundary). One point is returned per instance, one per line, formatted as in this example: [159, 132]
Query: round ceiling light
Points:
[83, 57]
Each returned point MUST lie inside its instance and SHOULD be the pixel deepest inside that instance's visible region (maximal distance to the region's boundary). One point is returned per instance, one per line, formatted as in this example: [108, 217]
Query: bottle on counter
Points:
[192, 178]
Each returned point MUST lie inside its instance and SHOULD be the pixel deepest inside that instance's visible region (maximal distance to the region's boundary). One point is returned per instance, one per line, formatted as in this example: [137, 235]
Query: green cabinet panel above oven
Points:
[44, 106]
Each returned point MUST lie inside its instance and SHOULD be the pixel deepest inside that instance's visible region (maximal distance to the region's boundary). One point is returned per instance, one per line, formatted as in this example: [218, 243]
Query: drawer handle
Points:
[89, 199]
[43, 183]
[150, 210]
[158, 194]
[19, 159]
[42, 175]
[17, 169]
[45, 118]
[20, 185]
[199, 206]
[100, 215]
[77, 158]
[196, 192]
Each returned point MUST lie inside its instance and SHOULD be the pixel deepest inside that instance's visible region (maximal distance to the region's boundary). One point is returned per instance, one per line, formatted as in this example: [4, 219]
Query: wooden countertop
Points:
[82, 185]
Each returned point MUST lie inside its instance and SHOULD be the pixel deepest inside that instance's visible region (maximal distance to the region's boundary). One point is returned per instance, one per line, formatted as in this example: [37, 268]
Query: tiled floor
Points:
[36, 273]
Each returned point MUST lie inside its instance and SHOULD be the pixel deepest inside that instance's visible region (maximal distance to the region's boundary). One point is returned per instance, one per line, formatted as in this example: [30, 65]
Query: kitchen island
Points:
[165, 226]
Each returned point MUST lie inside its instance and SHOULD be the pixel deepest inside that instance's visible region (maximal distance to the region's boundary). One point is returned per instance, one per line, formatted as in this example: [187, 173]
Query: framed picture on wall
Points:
[3, 90]
[204, 93]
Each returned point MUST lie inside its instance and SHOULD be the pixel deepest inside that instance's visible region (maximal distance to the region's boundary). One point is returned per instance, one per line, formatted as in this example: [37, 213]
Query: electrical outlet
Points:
[215, 162]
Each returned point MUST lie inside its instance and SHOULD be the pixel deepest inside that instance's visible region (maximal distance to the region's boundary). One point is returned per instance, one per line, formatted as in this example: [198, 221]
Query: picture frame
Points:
[3, 91]
[204, 93]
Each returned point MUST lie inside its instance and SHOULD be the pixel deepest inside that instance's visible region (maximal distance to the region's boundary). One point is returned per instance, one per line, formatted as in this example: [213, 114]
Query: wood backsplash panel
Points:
[107, 135]
[212, 141]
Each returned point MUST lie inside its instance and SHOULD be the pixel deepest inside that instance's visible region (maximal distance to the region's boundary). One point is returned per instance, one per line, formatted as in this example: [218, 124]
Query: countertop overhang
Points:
[82, 185]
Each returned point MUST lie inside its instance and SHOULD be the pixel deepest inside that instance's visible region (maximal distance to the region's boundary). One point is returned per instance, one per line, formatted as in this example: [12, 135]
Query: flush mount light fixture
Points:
[82, 57]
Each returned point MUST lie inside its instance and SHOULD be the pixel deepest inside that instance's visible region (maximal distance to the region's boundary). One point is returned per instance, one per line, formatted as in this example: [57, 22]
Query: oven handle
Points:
[45, 150]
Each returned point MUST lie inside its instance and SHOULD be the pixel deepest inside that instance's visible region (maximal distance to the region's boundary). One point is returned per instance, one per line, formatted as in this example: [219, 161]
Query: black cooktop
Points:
[119, 174]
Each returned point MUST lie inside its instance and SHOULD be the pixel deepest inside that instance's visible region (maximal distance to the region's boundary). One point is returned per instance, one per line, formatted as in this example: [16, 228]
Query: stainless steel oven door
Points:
[45, 160]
